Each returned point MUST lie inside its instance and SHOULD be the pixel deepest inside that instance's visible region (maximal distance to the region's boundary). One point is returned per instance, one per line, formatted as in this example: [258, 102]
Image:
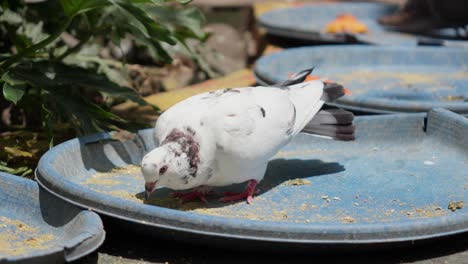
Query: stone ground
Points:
[125, 247]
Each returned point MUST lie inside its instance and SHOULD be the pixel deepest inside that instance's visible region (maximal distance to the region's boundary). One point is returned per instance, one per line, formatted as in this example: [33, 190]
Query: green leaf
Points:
[159, 2]
[13, 89]
[184, 2]
[11, 80]
[33, 31]
[13, 93]
[10, 17]
[188, 21]
[86, 116]
[155, 49]
[74, 7]
[39, 74]
[22, 171]
[151, 28]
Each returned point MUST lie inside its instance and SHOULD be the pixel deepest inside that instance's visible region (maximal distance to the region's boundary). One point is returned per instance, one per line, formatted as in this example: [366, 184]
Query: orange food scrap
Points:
[315, 77]
[347, 91]
[346, 23]
[308, 78]
[312, 78]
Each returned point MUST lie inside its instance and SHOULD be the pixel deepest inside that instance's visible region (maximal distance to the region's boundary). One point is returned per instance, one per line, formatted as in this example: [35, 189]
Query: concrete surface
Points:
[122, 246]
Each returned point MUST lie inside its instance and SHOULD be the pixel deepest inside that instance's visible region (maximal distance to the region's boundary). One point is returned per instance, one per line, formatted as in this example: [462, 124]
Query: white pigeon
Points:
[228, 136]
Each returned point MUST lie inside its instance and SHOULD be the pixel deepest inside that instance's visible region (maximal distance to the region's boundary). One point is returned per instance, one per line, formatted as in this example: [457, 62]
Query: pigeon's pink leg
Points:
[247, 193]
[196, 194]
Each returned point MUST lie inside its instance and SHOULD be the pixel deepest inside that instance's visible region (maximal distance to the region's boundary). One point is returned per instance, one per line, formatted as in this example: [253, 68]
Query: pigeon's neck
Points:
[185, 141]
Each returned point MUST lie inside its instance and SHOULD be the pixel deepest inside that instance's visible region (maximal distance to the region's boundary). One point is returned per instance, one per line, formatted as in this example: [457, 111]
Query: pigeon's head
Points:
[167, 166]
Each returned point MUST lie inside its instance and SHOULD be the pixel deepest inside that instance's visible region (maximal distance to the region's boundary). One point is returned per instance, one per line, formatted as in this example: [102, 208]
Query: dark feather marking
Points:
[230, 90]
[174, 136]
[219, 147]
[185, 179]
[263, 111]
[209, 173]
[231, 115]
[188, 145]
[332, 91]
[191, 131]
[292, 122]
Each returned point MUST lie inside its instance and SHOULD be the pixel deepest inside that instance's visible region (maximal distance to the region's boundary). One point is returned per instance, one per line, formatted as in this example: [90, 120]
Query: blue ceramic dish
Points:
[394, 183]
[308, 22]
[35, 227]
[381, 79]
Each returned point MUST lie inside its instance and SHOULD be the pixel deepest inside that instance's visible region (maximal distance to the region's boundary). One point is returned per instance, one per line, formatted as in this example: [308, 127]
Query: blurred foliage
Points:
[52, 74]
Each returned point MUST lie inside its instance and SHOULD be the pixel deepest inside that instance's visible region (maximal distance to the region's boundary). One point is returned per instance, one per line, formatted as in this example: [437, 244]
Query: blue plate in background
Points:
[382, 79]
[308, 22]
[393, 184]
[35, 227]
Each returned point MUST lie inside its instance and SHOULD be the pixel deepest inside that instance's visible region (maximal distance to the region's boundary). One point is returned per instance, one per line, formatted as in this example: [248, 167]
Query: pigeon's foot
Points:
[246, 194]
[197, 194]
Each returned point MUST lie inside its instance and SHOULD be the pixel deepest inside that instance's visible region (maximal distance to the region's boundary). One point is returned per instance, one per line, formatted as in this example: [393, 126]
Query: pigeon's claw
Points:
[192, 196]
[246, 194]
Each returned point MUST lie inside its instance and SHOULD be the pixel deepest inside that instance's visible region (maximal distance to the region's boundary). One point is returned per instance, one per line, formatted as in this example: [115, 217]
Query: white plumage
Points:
[227, 136]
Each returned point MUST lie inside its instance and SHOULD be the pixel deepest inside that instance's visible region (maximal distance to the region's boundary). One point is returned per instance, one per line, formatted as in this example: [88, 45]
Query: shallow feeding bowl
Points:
[308, 23]
[394, 183]
[35, 227]
[381, 79]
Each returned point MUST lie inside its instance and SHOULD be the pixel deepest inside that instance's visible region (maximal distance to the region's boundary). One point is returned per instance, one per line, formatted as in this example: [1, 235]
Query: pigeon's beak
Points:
[149, 188]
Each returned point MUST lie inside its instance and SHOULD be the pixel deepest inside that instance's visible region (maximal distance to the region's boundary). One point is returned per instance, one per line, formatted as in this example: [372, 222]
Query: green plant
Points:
[43, 75]
[50, 82]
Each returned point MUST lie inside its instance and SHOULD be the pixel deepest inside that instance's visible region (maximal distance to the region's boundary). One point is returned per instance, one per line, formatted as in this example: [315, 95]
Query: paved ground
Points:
[125, 247]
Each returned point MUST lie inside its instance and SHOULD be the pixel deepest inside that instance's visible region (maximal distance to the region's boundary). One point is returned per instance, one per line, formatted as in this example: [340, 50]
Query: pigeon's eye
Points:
[162, 170]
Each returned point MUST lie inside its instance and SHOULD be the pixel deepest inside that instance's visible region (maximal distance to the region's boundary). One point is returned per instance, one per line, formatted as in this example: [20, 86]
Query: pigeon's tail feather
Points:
[332, 91]
[326, 121]
[332, 116]
[298, 78]
[333, 123]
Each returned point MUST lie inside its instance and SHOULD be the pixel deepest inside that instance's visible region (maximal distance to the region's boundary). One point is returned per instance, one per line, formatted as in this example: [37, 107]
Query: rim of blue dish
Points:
[368, 104]
[386, 35]
[191, 222]
[353, 108]
[316, 35]
[69, 252]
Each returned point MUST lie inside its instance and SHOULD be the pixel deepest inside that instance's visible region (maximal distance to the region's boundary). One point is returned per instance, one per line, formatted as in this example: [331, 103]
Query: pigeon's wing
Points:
[307, 100]
[261, 118]
[253, 122]
[257, 121]
[187, 112]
